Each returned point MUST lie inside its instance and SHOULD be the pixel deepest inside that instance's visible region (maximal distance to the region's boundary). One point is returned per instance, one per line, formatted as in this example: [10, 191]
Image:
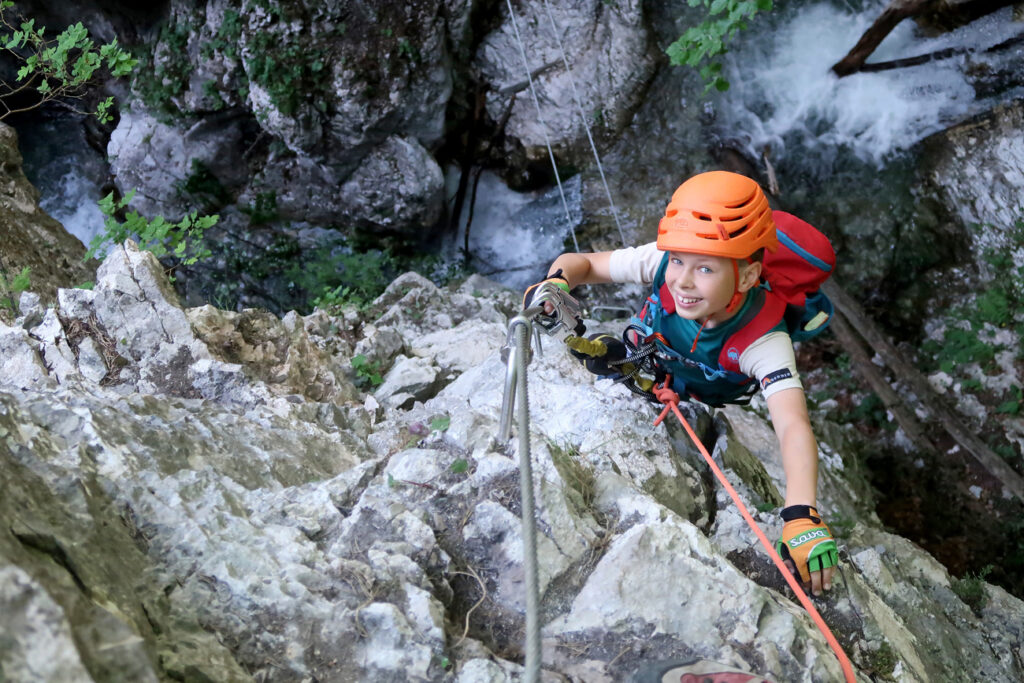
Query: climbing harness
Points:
[671, 401]
[560, 323]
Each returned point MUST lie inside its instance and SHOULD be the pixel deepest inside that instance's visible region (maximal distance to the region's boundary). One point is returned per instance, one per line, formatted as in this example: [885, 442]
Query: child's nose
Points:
[683, 278]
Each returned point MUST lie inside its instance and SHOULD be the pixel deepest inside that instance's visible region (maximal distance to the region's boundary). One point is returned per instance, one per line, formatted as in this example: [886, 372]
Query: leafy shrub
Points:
[367, 372]
[971, 589]
[701, 45]
[183, 240]
[18, 284]
[59, 69]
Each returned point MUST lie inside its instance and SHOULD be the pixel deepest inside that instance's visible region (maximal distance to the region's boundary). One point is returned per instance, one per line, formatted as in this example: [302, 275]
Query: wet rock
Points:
[976, 168]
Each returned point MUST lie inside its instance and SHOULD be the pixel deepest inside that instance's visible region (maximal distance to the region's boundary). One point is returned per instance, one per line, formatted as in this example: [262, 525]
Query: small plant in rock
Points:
[440, 424]
[367, 372]
[883, 660]
[183, 240]
[581, 491]
[13, 287]
[971, 589]
[165, 72]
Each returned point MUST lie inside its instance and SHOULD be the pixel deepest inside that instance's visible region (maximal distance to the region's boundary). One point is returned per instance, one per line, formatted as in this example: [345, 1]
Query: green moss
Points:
[263, 209]
[883, 660]
[164, 74]
[203, 189]
[971, 589]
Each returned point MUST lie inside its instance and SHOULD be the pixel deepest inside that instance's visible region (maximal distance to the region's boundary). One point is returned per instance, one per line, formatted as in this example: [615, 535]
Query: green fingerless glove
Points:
[556, 278]
[807, 541]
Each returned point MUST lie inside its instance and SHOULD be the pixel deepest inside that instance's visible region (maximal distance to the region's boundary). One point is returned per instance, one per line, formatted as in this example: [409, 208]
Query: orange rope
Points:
[671, 400]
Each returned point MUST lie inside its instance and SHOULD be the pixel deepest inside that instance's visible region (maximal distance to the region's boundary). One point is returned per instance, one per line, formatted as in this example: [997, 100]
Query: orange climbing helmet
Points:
[718, 213]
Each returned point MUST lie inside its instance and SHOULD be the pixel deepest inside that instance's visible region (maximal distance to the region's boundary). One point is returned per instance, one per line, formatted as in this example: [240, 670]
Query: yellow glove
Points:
[807, 544]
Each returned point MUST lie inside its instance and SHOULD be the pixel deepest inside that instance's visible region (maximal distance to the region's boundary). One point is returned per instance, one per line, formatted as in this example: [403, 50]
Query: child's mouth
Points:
[687, 300]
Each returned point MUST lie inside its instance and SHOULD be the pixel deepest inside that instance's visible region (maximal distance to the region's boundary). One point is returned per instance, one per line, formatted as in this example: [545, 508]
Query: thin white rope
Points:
[583, 118]
[544, 125]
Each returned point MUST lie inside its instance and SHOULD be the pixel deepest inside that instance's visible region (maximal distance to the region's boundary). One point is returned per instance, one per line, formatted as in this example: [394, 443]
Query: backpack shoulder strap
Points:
[758, 322]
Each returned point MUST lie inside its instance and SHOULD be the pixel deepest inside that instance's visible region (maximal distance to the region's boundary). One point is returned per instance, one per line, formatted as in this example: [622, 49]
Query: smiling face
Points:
[703, 285]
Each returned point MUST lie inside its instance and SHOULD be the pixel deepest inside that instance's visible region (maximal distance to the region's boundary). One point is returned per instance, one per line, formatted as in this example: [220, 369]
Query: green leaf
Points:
[459, 466]
[106, 205]
[21, 281]
[103, 110]
[1011, 407]
[439, 424]
[88, 284]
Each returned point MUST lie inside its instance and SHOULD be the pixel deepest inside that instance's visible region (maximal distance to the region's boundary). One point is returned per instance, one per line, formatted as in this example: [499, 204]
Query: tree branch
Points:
[897, 11]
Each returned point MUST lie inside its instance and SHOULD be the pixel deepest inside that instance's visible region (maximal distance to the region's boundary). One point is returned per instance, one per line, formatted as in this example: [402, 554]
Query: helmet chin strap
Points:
[737, 295]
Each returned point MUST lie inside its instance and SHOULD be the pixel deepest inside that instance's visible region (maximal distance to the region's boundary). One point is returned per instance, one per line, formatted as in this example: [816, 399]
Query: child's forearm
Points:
[800, 463]
[788, 410]
[583, 268]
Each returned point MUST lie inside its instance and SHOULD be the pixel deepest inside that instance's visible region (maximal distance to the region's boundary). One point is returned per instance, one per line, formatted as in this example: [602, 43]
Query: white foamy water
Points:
[67, 172]
[73, 202]
[515, 236]
[785, 97]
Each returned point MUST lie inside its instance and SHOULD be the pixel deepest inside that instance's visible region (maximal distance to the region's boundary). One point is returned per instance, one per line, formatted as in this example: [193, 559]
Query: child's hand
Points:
[531, 291]
[808, 548]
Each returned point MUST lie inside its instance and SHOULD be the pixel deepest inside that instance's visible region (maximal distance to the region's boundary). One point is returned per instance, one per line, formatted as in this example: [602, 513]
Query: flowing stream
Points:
[785, 99]
[67, 172]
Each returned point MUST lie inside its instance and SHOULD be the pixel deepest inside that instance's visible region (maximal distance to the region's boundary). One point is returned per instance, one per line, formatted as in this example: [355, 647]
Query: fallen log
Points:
[946, 14]
[861, 360]
[897, 11]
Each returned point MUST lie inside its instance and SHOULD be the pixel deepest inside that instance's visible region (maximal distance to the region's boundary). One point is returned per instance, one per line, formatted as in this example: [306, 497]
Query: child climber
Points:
[705, 269]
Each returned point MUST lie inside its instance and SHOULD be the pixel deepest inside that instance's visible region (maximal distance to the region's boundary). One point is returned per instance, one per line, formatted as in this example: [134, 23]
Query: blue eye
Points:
[705, 269]
[675, 261]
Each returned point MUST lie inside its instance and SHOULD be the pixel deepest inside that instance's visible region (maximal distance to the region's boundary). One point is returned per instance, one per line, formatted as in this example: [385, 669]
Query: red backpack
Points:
[792, 275]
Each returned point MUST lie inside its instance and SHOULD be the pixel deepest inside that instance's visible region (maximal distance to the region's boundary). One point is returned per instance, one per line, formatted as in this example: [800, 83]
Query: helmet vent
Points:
[702, 216]
[740, 231]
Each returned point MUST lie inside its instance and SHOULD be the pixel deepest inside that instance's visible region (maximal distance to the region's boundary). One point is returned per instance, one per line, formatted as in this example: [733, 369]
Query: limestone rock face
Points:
[353, 96]
[977, 168]
[200, 494]
[609, 65]
[338, 108]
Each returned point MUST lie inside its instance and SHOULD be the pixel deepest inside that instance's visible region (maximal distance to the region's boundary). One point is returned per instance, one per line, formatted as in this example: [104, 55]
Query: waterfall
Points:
[67, 172]
[785, 99]
[514, 236]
